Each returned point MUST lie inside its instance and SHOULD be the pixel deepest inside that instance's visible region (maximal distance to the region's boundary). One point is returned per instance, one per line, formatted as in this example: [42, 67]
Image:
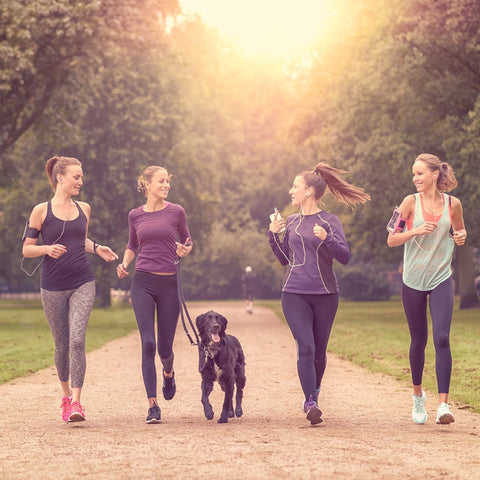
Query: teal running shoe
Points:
[419, 413]
[444, 416]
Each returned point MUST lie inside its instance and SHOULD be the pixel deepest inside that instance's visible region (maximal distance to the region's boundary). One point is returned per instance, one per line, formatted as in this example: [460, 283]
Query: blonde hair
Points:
[446, 176]
[147, 176]
[58, 166]
[326, 176]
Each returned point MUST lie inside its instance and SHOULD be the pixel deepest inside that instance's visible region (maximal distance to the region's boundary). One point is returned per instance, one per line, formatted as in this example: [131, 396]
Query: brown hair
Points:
[325, 176]
[446, 176]
[147, 176]
[58, 166]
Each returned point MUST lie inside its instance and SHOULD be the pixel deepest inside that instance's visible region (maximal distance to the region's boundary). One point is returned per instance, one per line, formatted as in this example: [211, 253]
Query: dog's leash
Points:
[183, 307]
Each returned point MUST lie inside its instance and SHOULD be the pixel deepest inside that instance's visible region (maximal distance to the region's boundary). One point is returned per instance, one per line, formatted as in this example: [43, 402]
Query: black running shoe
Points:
[169, 388]
[154, 415]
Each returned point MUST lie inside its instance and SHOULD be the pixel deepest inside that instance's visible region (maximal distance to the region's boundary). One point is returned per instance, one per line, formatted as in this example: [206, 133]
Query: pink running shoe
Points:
[76, 413]
[66, 406]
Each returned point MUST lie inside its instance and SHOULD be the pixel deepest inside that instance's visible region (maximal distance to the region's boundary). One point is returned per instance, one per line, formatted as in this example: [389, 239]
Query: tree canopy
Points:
[125, 84]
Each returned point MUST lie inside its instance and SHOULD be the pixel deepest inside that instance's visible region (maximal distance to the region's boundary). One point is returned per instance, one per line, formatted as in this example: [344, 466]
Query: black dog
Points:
[222, 359]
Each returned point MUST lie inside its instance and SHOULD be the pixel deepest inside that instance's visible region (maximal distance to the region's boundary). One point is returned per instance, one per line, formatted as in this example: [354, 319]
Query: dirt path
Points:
[367, 431]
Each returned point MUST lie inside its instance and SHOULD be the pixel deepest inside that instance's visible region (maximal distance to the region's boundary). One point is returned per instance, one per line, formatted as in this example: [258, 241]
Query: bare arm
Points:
[459, 231]
[407, 208]
[128, 258]
[30, 248]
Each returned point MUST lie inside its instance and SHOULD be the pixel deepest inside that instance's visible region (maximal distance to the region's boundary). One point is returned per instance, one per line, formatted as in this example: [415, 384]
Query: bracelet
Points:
[95, 246]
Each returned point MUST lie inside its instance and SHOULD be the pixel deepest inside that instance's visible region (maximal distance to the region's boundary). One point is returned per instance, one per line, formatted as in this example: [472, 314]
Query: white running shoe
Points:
[444, 416]
[419, 413]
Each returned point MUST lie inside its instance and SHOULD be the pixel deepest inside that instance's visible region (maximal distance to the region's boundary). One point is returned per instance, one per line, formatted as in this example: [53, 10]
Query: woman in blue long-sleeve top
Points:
[313, 238]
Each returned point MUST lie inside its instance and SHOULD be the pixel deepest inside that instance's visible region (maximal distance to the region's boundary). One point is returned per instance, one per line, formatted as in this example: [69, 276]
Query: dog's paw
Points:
[223, 420]
[238, 412]
[209, 415]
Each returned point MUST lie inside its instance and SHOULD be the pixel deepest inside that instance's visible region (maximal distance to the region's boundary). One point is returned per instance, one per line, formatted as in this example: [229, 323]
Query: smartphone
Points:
[396, 222]
[275, 216]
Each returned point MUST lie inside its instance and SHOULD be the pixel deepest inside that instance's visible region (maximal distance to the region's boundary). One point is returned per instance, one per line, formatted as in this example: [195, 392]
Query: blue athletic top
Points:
[153, 235]
[72, 269]
[309, 259]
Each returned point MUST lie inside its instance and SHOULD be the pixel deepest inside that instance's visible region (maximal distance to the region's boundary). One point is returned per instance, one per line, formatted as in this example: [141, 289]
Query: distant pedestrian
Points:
[157, 233]
[313, 239]
[429, 224]
[249, 280]
[67, 280]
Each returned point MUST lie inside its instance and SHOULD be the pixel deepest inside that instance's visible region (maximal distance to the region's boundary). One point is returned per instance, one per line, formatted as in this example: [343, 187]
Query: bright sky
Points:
[274, 28]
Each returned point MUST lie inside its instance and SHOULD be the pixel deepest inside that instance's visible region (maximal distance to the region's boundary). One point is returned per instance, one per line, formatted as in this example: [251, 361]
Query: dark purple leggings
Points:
[158, 293]
[310, 318]
[441, 310]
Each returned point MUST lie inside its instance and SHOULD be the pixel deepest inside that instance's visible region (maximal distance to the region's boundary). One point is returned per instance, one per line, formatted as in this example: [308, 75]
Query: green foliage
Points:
[375, 335]
[363, 282]
[104, 81]
[215, 271]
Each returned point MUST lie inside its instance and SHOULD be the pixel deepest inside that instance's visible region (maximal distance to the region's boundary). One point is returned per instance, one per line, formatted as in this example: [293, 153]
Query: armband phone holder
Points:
[396, 223]
[30, 232]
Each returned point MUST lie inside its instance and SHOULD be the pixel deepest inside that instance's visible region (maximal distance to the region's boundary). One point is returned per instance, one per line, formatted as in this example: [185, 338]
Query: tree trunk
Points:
[466, 273]
[103, 284]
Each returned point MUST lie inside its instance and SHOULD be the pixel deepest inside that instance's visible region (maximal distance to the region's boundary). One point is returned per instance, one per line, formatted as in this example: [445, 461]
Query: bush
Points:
[363, 282]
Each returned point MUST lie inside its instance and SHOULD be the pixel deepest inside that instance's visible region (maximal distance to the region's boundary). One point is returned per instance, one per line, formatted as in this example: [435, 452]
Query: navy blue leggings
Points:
[441, 311]
[310, 318]
[150, 292]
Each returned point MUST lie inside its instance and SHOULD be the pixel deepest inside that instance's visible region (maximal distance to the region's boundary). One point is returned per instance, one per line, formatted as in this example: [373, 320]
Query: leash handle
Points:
[183, 307]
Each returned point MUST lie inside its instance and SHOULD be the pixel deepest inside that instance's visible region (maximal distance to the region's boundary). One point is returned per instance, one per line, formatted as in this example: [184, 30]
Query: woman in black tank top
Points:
[67, 280]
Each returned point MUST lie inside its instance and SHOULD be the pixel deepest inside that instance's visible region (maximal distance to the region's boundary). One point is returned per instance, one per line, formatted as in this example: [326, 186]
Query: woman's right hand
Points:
[122, 271]
[278, 224]
[427, 227]
[56, 250]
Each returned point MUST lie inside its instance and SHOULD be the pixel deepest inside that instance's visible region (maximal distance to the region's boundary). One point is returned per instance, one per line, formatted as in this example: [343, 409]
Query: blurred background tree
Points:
[128, 83]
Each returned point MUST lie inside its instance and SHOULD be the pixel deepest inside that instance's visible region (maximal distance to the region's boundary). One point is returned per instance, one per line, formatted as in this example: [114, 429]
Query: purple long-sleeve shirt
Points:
[309, 259]
[153, 236]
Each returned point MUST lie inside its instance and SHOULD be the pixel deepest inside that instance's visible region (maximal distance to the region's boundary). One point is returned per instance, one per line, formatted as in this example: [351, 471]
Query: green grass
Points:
[375, 336]
[26, 343]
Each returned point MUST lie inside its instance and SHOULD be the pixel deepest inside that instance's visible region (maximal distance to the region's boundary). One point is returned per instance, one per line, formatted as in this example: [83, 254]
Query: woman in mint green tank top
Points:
[432, 224]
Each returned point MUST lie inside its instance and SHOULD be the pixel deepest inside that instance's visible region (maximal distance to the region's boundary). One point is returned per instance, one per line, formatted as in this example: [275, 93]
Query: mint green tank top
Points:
[427, 259]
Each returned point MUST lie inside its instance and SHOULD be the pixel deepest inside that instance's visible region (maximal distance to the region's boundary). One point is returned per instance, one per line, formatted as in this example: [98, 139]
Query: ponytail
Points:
[326, 176]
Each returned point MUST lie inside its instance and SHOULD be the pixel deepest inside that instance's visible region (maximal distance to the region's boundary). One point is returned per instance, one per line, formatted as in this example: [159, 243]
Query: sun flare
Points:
[266, 28]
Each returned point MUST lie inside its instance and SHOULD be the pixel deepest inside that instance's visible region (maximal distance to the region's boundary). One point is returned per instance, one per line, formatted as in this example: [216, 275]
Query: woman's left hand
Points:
[184, 249]
[106, 253]
[459, 237]
[319, 232]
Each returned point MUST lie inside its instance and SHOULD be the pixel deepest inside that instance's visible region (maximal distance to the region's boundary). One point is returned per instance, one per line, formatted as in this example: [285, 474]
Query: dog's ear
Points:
[199, 321]
[223, 324]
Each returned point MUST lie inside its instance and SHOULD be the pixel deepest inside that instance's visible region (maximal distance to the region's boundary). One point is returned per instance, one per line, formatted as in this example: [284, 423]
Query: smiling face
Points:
[72, 180]
[298, 191]
[159, 186]
[423, 177]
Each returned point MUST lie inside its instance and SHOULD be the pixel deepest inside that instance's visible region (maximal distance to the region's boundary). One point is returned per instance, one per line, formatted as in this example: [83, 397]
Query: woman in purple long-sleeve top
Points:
[158, 234]
[313, 238]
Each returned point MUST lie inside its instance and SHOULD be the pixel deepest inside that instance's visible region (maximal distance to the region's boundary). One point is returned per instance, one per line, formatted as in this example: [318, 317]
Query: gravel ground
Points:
[367, 431]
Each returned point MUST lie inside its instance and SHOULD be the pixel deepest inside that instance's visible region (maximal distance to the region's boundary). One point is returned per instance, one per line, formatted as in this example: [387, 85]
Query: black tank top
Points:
[72, 269]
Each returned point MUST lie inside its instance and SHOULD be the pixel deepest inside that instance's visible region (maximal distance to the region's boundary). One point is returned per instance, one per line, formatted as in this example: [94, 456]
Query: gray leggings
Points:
[67, 312]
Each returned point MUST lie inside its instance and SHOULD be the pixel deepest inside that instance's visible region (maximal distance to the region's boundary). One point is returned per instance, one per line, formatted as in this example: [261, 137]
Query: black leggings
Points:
[441, 310]
[160, 291]
[310, 318]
